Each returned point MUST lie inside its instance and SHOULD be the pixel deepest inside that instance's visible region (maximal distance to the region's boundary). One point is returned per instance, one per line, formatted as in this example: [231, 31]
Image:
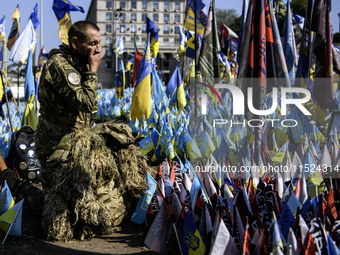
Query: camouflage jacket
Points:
[68, 97]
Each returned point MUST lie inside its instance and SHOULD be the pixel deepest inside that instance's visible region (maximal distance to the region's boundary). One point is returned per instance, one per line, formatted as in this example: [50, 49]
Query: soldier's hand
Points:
[95, 57]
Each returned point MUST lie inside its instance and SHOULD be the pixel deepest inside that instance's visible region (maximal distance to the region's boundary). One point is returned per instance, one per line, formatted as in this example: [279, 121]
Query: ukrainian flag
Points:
[141, 99]
[151, 29]
[62, 10]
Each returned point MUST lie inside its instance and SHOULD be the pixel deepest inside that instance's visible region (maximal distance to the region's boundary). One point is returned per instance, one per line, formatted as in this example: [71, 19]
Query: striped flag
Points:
[208, 63]
[13, 34]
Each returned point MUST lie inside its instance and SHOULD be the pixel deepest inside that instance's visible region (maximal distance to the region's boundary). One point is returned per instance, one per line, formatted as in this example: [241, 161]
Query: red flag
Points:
[330, 208]
[246, 240]
[136, 64]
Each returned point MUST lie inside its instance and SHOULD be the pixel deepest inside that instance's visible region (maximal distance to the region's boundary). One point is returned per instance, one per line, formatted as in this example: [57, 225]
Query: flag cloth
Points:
[157, 235]
[136, 63]
[227, 32]
[26, 41]
[42, 57]
[62, 10]
[201, 20]
[3, 30]
[141, 99]
[34, 17]
[6, 199]
[190, 46]
[10, 221]
[158, 89]
[13, 34]
[323, 82]
[208, 62]
[152, 31]
[120, 80]
[2, 51]
[120, 47]
[30, 114]
[144, 201]
[224, 242]
[183, 42]
[192, 241]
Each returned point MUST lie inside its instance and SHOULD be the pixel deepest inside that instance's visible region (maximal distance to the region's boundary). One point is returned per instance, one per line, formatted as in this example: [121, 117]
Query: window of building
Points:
[122, 4]
[145, 4]
[166, 39]
[132, 39]
[108, 52]
[166, 30]
[108, 40]
[177, 18]
[143, 28]
[108, 15]
[166, 5]
[122, 16]
[155, 5]
[143, 39]
[133, 28]
[108, 3]
[134, 16]
[177, 5]
[122, 28]
[144, 16]
[166, 17]
[177, 40]
[108, 64]
[155, 17]
[134, 4]
[177, 30]
[108, 28]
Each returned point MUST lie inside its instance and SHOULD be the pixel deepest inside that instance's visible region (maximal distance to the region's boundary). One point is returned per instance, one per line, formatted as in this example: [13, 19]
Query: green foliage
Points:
[336, 38]
[299, 7]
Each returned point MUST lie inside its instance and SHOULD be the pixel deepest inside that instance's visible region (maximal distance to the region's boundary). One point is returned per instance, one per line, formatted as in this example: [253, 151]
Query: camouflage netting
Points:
[95, 179]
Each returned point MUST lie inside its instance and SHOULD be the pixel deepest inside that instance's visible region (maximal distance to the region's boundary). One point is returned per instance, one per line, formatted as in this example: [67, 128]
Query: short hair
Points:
[79, 28]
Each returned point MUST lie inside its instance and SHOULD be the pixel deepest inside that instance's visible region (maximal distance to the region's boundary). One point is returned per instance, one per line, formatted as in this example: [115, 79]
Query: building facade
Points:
[128, 18]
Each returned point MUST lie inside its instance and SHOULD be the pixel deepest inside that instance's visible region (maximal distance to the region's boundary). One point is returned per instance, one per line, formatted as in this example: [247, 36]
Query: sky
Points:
[51, 25]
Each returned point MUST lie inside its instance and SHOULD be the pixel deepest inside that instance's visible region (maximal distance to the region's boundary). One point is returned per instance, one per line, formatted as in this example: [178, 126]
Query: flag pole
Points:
[196, 40]
[41, 25]
[9, 115]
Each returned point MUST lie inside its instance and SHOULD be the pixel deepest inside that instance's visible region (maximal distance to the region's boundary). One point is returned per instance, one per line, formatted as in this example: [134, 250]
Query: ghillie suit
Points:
[93, 181]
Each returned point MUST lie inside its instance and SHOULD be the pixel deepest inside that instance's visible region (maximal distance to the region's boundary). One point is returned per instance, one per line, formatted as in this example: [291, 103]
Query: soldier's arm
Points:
[80, 90]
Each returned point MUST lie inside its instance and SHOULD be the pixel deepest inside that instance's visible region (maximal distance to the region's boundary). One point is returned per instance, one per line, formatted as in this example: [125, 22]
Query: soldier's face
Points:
[90, 46]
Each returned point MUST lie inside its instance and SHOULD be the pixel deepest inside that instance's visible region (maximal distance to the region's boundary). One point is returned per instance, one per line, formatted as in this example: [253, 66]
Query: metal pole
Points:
[196, 41]
[41, 25]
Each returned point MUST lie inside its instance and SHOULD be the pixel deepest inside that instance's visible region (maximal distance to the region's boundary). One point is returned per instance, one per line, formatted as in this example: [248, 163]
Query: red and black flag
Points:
[13, 35]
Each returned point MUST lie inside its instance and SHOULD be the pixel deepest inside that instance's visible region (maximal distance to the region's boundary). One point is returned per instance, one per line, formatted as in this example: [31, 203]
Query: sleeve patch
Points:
[73, 78]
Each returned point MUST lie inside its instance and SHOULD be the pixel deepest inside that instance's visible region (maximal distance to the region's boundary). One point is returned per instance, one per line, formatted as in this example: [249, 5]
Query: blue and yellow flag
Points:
[13, 34]
[190, 46]
[151, 30]
[192, 240]
[141, 99]
[6, 199]
[10, 221]
[30, 114]
[201, 17]
[62, 10]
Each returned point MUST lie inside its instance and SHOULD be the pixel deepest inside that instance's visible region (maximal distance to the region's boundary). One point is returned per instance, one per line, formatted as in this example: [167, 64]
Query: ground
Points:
[127, 239]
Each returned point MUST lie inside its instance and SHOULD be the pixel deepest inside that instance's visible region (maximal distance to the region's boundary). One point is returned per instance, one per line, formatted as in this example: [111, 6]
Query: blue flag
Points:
[6, 199]
[144, 201]
[34, 17]
[286, 221]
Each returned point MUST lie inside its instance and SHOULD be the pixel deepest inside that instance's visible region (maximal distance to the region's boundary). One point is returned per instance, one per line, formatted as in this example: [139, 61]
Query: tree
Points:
[336, 38]
[299, 7]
